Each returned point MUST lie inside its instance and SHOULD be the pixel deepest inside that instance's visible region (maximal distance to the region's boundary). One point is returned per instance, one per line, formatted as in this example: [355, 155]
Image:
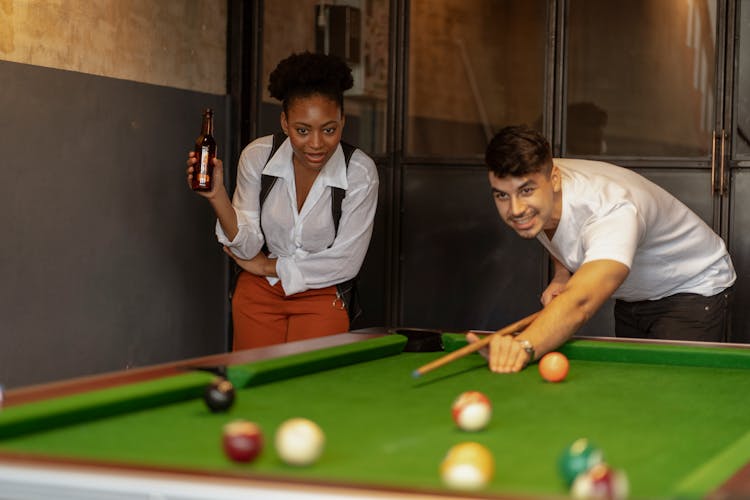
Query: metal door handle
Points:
[713, 162]
[722, 184]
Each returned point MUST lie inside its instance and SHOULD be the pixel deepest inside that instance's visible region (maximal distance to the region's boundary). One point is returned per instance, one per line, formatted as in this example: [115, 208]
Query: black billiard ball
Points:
[219, 395]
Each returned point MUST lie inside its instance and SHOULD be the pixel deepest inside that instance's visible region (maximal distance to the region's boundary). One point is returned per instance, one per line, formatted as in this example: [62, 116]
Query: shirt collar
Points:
[332, 174]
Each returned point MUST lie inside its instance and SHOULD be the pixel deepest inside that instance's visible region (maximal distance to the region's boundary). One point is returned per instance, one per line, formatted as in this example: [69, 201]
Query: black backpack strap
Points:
[267, 182]
[338, 194]
[337, 197]
[278, 140]
[348, 152]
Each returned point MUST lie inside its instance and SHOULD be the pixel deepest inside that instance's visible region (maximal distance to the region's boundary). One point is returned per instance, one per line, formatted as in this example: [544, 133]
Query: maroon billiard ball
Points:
[219, 395]
[242, 440]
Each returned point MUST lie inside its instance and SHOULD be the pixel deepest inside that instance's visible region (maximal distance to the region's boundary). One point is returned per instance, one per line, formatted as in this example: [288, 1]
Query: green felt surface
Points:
[678, 426]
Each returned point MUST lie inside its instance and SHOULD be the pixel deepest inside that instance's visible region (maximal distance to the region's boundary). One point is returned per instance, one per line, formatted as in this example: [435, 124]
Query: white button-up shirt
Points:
[300, 240]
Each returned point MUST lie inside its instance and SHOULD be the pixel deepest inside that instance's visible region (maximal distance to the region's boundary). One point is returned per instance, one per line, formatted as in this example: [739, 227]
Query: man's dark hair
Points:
[306, 74]
[518, 150]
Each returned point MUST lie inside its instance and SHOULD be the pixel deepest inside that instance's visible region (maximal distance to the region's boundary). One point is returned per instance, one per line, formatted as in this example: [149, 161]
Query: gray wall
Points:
[739, 249]
[107, 259]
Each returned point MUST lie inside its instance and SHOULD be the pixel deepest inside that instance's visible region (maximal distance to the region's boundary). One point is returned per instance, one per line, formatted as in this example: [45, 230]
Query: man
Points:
[610, 233]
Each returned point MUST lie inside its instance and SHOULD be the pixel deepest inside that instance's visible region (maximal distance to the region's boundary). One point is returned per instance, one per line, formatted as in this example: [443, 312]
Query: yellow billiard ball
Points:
[467, 466]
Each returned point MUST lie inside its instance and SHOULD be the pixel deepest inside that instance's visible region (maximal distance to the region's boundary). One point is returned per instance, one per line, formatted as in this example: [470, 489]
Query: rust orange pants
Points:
[262, 315]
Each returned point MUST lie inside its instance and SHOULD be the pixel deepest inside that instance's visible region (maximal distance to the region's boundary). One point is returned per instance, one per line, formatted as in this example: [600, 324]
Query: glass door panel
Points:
[742, 92]
[640, 78]
[474, 67]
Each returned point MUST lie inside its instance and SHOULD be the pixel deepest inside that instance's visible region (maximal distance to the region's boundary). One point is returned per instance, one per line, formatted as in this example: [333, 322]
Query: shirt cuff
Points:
[223, 237]
[292, 280]
[238, 245]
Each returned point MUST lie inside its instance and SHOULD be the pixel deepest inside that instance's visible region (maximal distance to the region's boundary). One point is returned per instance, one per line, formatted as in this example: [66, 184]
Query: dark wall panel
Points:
[108, 259]
[739, 249]
[462, 267]
[690, 186]
[373, 283]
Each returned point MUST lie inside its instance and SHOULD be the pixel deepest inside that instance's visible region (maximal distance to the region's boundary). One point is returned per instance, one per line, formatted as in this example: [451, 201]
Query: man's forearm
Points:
[583, 294]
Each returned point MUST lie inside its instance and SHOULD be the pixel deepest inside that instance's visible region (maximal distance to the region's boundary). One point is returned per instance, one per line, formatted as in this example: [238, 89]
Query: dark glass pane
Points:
[356, 30]
[742, 135]
[474, 66]
[640, 77]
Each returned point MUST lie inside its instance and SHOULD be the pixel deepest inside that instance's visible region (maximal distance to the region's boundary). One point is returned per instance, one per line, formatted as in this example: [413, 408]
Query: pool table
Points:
[674, 416]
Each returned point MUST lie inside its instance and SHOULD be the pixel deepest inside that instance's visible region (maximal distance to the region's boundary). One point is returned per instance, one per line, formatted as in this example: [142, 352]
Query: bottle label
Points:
[203, 172]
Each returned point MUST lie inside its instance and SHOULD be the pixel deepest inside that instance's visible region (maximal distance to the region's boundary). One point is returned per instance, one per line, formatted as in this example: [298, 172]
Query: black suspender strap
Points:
[267, 181]
[338, 194]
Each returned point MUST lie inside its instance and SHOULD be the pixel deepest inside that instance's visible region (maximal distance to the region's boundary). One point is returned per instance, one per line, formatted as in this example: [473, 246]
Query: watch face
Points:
[526, 345]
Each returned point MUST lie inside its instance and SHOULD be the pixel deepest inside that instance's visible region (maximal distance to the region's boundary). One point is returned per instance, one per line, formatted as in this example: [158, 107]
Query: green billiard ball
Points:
[578, 458]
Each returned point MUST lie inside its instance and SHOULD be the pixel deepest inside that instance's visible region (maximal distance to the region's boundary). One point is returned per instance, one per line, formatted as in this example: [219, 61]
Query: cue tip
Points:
[415, 374]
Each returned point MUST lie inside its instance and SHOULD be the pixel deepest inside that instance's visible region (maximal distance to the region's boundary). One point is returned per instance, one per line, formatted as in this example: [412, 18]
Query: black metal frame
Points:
[245, 51]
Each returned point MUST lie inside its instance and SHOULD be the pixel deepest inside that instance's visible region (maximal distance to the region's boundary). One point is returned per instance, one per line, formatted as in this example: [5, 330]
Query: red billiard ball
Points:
[242, 440]
[554, 367]
[219, 395]
[471, 411]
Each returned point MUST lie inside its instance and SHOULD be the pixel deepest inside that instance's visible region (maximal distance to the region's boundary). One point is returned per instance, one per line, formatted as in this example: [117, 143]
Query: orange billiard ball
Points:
[553, 367]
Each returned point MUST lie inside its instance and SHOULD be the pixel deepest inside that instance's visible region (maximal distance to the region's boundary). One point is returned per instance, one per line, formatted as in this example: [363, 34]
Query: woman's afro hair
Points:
[307, 73]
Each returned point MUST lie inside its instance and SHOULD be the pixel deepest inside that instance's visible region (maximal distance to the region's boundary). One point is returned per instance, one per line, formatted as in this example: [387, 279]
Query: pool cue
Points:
[468, 349]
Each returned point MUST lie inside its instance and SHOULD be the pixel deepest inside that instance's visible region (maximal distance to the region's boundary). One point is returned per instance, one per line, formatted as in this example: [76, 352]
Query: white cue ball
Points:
[299, 441]
[471, 411]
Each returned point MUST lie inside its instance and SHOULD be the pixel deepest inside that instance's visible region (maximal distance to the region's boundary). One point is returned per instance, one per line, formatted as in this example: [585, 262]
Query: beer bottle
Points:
[205, 151]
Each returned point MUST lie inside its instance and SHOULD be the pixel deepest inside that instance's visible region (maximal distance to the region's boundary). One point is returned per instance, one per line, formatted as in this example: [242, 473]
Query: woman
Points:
[288, 292]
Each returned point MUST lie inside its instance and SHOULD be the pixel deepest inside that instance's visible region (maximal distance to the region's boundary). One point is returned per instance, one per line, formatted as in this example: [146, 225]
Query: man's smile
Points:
[524, 222]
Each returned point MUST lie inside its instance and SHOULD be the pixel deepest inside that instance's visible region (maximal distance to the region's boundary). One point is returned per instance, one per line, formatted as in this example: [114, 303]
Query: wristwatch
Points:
[526, 346]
